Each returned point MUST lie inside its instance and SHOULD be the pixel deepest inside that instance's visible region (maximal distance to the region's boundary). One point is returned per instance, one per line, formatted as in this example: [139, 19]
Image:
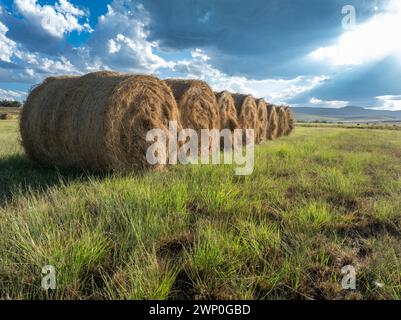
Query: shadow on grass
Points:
[19, 174]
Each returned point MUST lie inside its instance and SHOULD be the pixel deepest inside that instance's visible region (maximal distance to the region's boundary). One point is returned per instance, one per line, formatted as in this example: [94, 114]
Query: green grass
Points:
[318, 200]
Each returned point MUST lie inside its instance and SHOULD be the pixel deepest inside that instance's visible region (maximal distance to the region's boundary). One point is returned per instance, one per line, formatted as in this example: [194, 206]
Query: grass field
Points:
[317, 201]
[13, 111]
[372, 126]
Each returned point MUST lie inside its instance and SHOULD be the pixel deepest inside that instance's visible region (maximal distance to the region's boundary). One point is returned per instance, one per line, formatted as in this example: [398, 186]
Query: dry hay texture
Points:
[263, 120]
[228, 113]
[247, 112]
[282, 121]
[196, 102]
[273, 122]
[98, 121]
[291, 120]
[6, 116]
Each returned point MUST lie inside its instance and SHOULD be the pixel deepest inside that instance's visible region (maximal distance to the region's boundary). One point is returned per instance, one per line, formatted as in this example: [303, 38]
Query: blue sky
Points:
[287, 51]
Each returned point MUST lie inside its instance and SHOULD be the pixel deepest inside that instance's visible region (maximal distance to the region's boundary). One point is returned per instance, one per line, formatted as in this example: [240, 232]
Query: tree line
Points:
[10, 104]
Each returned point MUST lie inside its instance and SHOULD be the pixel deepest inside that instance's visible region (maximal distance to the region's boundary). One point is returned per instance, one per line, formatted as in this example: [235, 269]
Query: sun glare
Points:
[373, 40]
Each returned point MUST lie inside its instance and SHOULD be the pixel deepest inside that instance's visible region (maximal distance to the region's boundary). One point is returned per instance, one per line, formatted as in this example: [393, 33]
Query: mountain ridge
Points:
[348, 113]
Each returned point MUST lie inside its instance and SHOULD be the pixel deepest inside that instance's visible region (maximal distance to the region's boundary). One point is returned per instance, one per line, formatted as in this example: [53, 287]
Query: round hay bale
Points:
[263, 120]
[282, 121]
[6, 116]
[247, 112]
[273, 122]
[291, 120]
[98, 121]
[196, 102]
[228, 113]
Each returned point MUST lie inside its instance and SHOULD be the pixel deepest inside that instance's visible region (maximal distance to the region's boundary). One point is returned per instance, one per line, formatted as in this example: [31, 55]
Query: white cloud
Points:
[7, 46]
[199, 54]
[30, 72]
[137, 48]
[33, 67]
[113, 46]
[56, 20]
[60, 66]
[389, 102]
[120, 41]
[27, 57]
[373, 40]
[63, 6]
[12, 95]
[328, 103]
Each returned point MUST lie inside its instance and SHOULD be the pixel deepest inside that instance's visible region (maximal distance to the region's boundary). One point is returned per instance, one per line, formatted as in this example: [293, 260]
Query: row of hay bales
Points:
[99, 121]
[246, 112]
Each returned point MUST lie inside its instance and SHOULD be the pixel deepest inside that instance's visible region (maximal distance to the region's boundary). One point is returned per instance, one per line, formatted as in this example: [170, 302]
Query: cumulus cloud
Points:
[20, 61]
[59, 66]
[55, 20]
[7, 46]
[120, 40]
[64, 7]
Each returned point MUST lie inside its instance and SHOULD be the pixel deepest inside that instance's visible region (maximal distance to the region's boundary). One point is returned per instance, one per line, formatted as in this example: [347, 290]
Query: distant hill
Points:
[346, 114]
